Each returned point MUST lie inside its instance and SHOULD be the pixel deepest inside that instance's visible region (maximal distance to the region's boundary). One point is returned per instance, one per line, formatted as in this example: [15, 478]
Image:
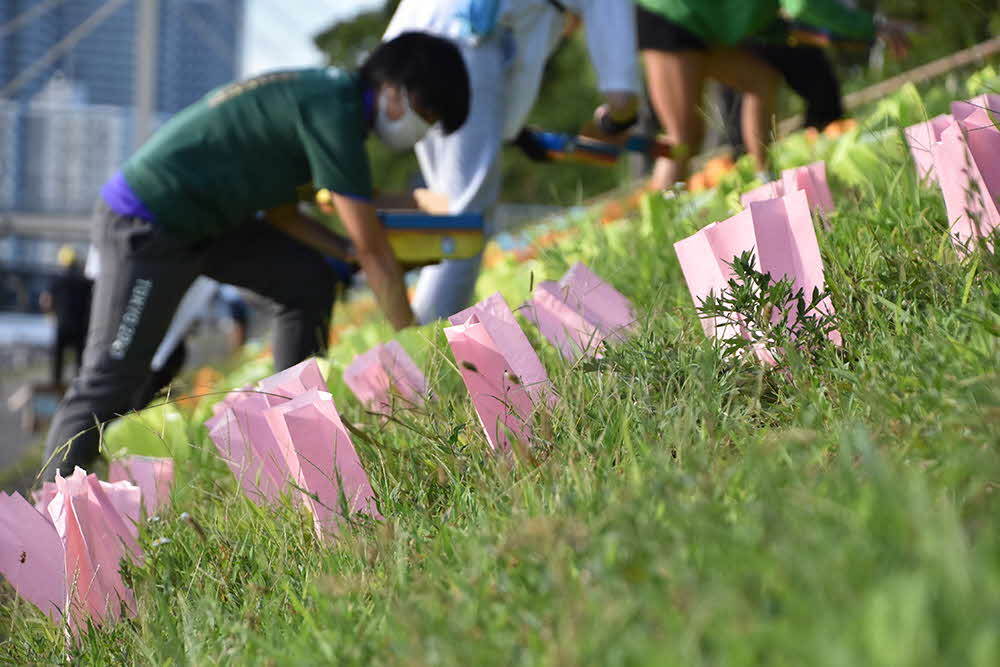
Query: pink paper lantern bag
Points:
[968, 170]
[321, 459]
[580, 312]
[781, 233]
[501, 370]
[153, 476]
[386, 375]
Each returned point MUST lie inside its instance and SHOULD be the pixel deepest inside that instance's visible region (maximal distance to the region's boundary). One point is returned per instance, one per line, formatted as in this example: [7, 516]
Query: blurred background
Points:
[84, 82]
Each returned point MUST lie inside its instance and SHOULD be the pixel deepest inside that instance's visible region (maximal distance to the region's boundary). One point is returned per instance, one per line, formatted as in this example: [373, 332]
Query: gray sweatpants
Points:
[145, 272]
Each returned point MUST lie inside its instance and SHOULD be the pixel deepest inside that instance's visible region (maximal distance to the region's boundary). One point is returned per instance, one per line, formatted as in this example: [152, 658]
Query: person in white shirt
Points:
[506, 44]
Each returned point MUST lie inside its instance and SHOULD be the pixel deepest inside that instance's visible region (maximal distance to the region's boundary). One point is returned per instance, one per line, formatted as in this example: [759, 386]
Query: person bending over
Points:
[214, 193]
[506, 44]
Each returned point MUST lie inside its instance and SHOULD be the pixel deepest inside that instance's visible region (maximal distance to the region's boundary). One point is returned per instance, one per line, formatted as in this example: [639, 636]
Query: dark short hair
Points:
[430, 68]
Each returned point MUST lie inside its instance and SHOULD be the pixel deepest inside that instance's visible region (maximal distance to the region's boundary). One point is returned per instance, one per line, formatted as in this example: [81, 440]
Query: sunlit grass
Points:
[686, 509]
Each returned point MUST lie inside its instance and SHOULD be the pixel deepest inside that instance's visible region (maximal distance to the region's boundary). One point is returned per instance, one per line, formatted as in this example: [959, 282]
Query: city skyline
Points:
[199, 47]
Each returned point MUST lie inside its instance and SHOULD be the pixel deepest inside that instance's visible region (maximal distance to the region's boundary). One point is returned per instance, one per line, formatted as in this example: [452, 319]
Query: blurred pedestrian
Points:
[68, 298]
[506, 44]
[685, 42]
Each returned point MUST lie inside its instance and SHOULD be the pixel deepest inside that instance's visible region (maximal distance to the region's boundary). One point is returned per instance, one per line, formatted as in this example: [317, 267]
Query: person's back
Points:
[247, 146]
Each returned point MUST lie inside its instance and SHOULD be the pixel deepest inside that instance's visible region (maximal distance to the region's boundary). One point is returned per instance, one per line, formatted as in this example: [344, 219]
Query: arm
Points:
[310, 232]
[611, 41]
[420, 199]
[385, 276]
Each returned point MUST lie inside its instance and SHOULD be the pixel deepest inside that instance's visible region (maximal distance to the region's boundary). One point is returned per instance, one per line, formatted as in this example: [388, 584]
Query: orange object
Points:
[525, 254]
[551, 238]
[613, 211]
[493, 256]
[716, 168]
[840, 127]
[698, 182]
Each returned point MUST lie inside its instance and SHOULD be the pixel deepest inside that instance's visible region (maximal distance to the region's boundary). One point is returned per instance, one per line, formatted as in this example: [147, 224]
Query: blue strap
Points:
[479, 17]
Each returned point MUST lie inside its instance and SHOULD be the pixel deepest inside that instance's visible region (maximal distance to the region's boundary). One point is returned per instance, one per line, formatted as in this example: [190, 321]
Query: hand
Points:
[597, 129]
[613, 120]
[374, 254]
[432, 202]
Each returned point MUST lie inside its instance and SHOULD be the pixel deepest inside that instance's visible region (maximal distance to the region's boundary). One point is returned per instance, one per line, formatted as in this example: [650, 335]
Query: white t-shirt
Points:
[535, 27]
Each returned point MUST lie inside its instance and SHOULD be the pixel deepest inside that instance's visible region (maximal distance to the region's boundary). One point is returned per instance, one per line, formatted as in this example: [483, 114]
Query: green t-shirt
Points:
[247, 146]
[730, 22]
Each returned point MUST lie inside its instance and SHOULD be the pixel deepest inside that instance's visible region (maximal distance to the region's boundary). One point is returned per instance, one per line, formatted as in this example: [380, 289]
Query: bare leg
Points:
[760, 84]
[676, 81]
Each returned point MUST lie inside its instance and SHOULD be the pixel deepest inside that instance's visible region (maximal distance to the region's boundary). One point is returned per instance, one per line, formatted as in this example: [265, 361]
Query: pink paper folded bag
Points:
[580, 312]
[31, 555]
[968, 171]
[781, 233]
[153, 476]
[247, 445]
[288, 437]
[68, 564]
[244, 438]
[97, 525]
[769, 190]
[810, 178]
[501, 370]
[296, 380]
[921, 139]
[386, 376]
[322, 461]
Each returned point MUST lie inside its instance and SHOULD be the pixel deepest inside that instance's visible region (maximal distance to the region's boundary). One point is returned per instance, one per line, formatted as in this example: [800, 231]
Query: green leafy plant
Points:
[756, 314]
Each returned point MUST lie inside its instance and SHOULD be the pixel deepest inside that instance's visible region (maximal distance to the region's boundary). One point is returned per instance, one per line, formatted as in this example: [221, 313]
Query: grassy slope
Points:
[684, 511]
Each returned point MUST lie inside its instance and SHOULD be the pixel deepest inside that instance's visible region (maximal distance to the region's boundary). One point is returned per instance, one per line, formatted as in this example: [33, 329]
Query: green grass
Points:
[686, 510]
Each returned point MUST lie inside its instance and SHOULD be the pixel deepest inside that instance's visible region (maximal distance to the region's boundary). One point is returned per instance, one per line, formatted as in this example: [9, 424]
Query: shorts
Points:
[656, 33]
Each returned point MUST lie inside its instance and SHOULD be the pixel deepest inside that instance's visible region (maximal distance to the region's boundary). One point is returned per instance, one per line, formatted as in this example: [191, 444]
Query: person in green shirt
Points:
[685, 42]
[215, 193]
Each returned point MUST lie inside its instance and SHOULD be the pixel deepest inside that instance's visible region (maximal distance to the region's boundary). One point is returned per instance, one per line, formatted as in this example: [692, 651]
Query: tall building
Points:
[9, 119]
[66, 128]
[69, 150]
[199, 46]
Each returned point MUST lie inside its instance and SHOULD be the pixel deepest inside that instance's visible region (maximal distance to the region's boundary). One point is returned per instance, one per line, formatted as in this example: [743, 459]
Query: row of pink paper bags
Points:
[63, 554]
[777, 226]
[961, 151]
[502, 372]
[286, 433]
[576, 315]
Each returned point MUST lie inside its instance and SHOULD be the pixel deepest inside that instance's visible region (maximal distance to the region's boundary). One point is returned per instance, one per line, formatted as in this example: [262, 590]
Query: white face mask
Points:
[404, 132]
